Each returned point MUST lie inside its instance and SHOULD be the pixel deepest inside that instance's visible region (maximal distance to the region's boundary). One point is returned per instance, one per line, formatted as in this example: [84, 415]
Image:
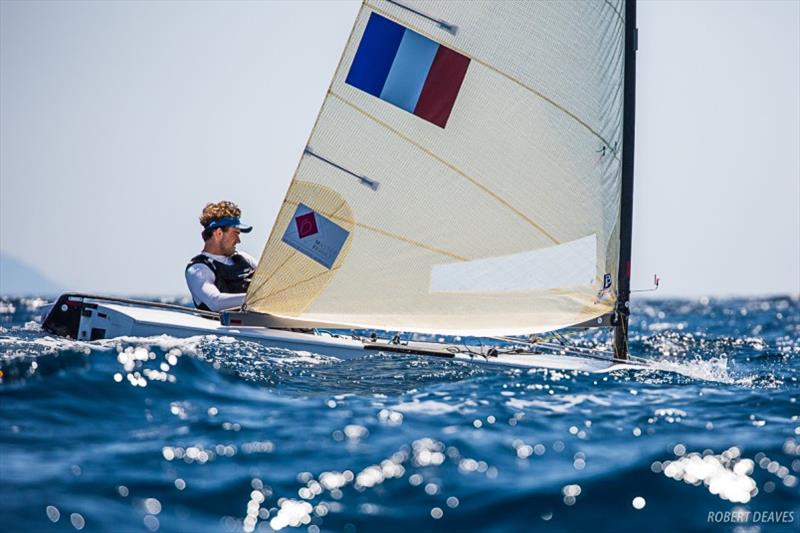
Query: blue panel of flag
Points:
[375, 55]
[408, 70]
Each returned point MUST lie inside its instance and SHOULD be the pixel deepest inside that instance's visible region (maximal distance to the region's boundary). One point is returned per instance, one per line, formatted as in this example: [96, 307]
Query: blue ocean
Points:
[213, 434]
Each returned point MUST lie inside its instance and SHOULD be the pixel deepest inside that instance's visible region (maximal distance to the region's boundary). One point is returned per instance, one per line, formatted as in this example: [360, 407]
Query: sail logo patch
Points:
[408, 70]
[306, 225]
[315, 236]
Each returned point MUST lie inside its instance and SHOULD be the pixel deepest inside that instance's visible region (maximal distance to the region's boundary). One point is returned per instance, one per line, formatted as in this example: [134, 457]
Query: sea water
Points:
[214, 434]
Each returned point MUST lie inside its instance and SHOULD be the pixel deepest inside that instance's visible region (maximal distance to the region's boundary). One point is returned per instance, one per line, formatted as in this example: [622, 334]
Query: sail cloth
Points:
[463, 175]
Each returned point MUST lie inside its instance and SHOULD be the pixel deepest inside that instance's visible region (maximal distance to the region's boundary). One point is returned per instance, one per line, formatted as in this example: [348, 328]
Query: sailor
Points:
[219, 276]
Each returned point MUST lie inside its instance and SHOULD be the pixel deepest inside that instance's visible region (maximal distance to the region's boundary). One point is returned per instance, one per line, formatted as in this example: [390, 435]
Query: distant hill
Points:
[20, 279]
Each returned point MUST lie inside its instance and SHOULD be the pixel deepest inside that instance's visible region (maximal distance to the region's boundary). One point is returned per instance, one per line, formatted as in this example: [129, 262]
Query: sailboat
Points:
[470, 174]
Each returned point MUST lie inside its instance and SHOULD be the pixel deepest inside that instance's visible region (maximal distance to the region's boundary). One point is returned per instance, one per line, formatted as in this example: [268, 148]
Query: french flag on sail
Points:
[408, 70]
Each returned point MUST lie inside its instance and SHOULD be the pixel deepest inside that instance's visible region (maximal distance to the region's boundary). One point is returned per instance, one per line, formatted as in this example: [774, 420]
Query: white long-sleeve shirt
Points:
[200, 280]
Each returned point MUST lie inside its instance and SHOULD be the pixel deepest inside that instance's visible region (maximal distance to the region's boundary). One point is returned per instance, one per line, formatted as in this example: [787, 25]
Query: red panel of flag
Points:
[441, 87]
[408, 70]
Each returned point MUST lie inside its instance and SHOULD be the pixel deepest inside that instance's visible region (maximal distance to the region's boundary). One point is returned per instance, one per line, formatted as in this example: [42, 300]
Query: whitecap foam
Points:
[714, 369]
[16, 347]
[286, 356]
[189, 345]
[199, 344]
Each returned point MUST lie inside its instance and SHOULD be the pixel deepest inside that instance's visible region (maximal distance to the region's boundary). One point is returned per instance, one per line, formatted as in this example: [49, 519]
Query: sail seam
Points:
[504, 74]
[388, 234]
[277, 269]
[615, 10]
[455, 169]
[344, 203]
[293, 285]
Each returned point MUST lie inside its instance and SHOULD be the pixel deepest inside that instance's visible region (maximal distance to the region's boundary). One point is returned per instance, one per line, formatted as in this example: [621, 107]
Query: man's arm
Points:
[200, 280]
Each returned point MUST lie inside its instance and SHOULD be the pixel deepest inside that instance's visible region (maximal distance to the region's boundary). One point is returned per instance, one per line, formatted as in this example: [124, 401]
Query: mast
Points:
[626, 208]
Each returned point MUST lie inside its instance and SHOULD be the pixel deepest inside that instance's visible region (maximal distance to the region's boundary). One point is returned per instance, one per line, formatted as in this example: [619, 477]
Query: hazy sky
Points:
[119, 121]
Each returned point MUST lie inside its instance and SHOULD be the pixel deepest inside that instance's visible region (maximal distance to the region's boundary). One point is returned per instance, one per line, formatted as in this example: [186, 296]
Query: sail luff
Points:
[254, 294]
[626, 203]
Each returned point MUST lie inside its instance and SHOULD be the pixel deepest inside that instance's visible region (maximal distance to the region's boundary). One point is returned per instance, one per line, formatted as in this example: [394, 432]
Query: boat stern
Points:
[73, 317]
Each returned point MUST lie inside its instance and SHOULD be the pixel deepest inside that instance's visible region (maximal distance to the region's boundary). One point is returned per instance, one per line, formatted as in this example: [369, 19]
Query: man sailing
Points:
[219, 276]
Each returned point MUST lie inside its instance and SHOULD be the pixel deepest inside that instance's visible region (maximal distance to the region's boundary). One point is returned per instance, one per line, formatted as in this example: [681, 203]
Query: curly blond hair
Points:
[223, 209]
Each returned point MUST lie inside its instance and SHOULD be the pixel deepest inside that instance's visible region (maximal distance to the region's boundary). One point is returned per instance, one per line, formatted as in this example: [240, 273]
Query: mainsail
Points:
[463, 175]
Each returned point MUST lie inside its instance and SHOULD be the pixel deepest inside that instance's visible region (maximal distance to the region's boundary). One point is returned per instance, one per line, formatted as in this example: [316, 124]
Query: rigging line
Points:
[389, 234]
[450, 166]
[532, 340]
[581, 351]
[572, 348]
[451, 28]
[546, 340]
[567, 350]
[504, 74]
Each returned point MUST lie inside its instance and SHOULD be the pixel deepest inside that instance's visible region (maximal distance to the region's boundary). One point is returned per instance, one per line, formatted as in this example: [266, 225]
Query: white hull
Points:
[104, 320]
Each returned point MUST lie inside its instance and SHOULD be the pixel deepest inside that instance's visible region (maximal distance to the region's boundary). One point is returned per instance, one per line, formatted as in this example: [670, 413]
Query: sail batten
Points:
[496, 150]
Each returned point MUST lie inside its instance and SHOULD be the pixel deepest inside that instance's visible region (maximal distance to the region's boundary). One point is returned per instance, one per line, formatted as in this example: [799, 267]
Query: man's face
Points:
[228, 240]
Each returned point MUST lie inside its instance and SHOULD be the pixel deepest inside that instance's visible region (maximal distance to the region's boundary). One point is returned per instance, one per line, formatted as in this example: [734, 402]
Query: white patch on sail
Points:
[564, 265]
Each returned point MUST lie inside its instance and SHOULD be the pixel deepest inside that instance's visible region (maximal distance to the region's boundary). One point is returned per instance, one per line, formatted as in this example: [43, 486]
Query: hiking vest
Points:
[232, 278]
